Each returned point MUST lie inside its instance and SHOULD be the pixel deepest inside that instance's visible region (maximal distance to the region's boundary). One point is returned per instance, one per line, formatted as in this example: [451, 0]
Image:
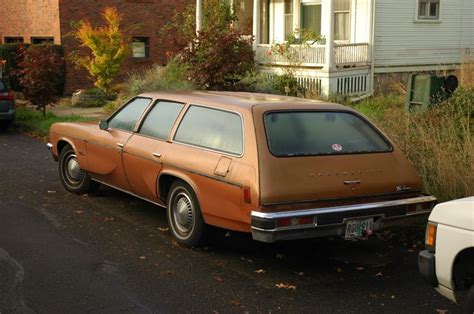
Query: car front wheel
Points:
[73, 178]
[184, 215]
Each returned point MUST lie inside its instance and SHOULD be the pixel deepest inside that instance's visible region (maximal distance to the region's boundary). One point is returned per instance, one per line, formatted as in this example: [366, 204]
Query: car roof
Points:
[241, 100]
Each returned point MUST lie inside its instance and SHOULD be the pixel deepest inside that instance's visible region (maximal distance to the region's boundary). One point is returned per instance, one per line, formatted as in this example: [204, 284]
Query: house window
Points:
[288, 18]
[428, 9]
[311, 17]
[342, 20]
[42, 40]
[13, 40]
[140, 47]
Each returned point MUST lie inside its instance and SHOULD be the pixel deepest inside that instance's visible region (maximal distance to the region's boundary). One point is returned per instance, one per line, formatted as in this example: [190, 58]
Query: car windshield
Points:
[309, 133]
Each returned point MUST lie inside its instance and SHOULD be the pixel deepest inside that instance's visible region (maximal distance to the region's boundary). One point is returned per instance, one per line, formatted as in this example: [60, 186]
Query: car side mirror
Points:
[103, 124]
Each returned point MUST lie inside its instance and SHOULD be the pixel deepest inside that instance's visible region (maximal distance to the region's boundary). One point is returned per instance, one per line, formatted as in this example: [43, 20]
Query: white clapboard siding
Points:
[401, 40]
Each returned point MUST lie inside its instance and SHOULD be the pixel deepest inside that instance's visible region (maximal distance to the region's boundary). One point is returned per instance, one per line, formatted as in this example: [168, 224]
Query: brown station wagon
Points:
[278, 167]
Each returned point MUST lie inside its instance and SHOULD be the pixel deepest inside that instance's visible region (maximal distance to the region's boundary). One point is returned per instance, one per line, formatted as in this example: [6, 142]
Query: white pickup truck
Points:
[447, 263]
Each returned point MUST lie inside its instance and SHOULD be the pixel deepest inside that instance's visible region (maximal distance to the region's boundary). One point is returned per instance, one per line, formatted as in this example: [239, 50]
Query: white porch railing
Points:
[314, 55]
[351, 54]
[295, 56]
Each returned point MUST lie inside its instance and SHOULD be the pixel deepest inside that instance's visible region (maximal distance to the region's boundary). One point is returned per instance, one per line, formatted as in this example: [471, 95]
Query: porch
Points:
[342, 65]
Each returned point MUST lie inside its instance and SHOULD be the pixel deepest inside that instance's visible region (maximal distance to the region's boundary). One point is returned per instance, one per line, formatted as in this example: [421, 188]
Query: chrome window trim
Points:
[206, 148]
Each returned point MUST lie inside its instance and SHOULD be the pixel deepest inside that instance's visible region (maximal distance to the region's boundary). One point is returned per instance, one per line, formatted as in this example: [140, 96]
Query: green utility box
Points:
[424, 90]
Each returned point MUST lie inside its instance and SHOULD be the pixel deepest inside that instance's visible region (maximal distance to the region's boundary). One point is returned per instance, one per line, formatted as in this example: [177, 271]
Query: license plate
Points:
[358, 228]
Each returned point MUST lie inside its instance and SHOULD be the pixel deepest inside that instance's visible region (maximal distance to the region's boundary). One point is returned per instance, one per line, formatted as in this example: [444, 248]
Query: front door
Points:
[104, 150]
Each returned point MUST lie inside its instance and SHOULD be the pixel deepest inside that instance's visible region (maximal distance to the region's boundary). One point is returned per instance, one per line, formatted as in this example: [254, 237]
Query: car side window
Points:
[211, 128]
[160, 119]
[128, 116]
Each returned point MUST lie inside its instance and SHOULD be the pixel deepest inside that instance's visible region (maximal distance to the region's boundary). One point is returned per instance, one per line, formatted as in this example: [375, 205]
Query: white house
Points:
[363, 38]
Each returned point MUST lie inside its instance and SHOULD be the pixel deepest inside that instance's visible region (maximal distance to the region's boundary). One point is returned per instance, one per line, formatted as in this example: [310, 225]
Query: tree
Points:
[39, 74]
[107, 44]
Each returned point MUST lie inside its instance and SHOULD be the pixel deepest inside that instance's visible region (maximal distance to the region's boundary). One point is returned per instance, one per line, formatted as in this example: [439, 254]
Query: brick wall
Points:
[146, 17]
[29, 18]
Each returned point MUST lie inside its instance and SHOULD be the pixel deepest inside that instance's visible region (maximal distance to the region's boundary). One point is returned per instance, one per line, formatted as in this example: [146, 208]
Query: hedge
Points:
[9, 52]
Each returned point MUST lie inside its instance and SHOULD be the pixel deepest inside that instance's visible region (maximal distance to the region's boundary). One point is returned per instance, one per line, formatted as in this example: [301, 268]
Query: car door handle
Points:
[120, 145]
[157, 155]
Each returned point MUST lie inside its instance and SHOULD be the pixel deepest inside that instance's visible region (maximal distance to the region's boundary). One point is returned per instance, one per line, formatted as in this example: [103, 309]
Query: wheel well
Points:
[463, 269]
[61, 144]
[164, 185]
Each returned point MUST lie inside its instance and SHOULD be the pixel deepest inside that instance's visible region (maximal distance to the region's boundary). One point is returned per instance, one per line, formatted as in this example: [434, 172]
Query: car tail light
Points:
[6, 95]
[297, 221]
[430, 237]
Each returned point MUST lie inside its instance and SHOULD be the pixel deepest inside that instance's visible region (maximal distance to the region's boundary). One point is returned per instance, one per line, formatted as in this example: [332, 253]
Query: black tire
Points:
[73, 178]
[468, 304]
[184, 215]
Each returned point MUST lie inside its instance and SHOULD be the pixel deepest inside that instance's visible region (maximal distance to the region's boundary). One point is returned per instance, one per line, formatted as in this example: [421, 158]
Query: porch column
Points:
[256, 24]
[297, 16]
[329, 51]
[198, 16]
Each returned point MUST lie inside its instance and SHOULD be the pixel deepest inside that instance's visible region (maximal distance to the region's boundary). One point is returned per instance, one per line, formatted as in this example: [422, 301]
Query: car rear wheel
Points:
[184, 215]
[73, 178]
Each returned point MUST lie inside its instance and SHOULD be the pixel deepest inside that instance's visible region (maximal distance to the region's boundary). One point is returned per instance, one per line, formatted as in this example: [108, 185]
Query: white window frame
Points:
[424, 18]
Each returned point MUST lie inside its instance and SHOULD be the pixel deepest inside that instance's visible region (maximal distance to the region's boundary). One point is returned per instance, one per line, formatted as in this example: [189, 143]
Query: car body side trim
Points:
[128, 192]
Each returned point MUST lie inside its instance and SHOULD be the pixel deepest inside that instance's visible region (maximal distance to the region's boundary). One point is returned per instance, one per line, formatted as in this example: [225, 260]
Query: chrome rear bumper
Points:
[331, 221]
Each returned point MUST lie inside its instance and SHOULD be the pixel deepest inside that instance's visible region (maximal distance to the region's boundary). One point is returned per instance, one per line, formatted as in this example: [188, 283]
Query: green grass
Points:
[33, 122]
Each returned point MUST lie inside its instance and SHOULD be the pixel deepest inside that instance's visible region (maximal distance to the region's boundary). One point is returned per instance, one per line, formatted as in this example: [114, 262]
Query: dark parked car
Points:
[7, 106]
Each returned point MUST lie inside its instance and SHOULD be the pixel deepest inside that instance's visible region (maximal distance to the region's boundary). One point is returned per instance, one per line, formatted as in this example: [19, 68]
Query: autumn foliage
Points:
[39, 73]
[108, 48]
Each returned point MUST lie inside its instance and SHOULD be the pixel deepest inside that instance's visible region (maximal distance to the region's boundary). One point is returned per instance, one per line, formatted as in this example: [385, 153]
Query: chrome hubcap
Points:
[183, 213]
[73, 171]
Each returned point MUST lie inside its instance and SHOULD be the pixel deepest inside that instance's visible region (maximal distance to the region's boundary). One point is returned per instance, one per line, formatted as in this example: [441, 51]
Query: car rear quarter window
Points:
[160, 119]
[127, 117]
[211, 128]
[309, 133]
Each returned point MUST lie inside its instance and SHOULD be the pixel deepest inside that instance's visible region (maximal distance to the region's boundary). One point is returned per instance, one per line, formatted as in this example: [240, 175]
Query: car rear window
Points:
[309, 133]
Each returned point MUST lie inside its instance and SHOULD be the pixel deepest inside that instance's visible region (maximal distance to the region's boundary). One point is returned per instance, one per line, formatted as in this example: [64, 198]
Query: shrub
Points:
[39, 74]
[217, 58]
[157, 78]
[218, 55]
[256, 82]
[107, 45]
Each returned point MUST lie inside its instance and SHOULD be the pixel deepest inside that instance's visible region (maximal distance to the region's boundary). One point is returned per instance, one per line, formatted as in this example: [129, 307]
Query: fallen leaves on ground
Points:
[217, 278]
[260, 271]
[109, 219]
[379, 274]
[339, 270]
[246, 259]
[440, 311]
[163, 229]
[359, 268]
[51, 191]
[285, 286]
[236, 302]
